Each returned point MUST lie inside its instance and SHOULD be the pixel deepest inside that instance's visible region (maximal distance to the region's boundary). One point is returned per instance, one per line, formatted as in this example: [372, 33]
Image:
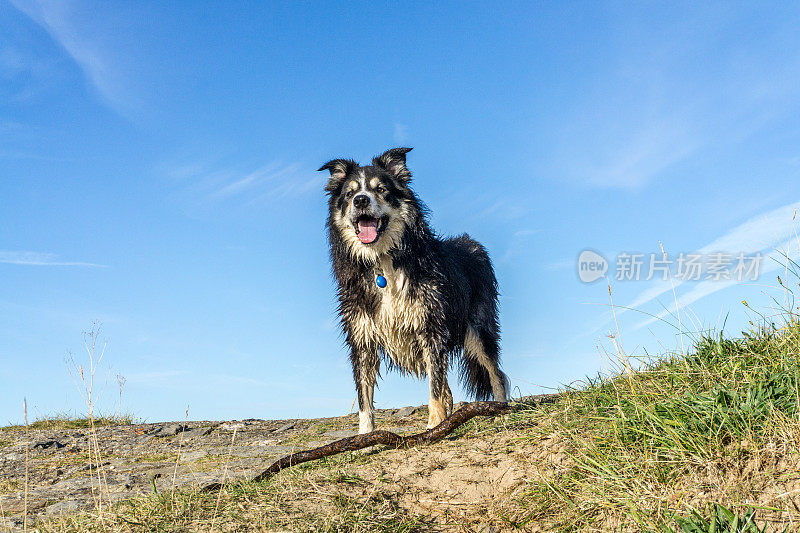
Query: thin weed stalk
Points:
[86, 390]
[120, 383]
[675, 297]
[617, 339]
[178, 459]
[224, 477]
[27, 458]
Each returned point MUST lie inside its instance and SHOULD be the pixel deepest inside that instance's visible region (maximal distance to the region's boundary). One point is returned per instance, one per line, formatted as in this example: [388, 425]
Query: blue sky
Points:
[157, 174]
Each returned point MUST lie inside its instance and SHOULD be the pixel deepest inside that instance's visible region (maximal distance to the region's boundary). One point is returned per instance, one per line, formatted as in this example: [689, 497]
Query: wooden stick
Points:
[387, 438]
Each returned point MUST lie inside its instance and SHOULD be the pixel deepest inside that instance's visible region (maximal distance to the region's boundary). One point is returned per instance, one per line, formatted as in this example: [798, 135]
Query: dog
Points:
[407, 296]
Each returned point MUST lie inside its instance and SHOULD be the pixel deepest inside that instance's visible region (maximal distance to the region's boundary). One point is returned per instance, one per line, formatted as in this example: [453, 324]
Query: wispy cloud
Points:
[622, 134]
[519, 244]
[10, 128]
[642, 155]
[771, 262]
[26, 72]
[564, 264]
[755, 235]
[400, 133]
[270, 180]
[159, 377]
[185, 379]
[211, 184]
[505, 208]
[645, 113]
[40, 259]
[60, 20]
[247, 182]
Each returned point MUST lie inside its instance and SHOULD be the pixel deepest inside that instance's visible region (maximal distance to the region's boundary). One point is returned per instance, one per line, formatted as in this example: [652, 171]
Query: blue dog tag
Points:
[380, 281]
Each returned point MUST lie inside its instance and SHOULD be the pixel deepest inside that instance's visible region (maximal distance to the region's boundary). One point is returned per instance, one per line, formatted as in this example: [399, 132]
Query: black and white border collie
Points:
[406, 296]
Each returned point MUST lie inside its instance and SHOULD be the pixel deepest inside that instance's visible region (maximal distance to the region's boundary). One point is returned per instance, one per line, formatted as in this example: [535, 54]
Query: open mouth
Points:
[369, 228]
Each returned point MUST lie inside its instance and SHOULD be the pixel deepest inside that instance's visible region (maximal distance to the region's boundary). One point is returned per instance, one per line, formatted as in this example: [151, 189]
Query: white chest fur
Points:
[398, 324]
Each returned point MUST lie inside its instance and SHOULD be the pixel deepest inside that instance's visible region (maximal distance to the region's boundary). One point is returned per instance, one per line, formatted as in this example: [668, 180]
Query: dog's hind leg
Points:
[365, 371]
[484, 350]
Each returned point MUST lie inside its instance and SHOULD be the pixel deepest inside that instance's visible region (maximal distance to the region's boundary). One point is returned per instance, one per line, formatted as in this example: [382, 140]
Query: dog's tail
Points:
[479, 364]
[475, 379]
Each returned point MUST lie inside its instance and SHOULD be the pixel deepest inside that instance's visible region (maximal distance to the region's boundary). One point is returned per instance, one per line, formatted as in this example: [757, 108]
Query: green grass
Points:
[720, 520]
[726, 392]
[71, 421]
[656, 446]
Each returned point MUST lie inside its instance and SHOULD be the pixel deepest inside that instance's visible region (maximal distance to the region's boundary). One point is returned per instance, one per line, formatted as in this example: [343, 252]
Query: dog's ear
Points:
[394, 161]
[339, 169]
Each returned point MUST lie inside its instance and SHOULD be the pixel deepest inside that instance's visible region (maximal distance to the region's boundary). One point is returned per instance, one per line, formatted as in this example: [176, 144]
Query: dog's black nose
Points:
[362, 200]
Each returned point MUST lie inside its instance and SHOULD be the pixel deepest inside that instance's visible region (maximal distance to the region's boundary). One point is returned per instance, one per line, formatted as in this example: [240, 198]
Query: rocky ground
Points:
[64, 477]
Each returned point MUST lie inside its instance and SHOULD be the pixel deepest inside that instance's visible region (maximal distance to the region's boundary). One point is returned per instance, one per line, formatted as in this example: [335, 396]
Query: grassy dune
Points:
[705, 442]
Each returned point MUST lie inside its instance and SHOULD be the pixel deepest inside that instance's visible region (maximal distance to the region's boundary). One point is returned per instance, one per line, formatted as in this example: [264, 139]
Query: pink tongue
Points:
[367, 230]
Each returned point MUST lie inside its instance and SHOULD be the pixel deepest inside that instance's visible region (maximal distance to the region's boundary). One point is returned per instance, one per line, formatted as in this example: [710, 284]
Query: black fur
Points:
[451, 279]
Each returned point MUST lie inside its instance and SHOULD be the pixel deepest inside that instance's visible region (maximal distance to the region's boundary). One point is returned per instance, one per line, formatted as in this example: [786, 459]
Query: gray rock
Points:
[46, 445]
[12, 523]
[143, 438]
[258, 451]
[400, 430]
[193, 456]
[74, 485]
[170, 430]
[92, 466]
[120, 483]
[196, 432]
[276, 450]
[405, 411]
[340, 433]
[65, 507]
[134, 457]
[168, 482]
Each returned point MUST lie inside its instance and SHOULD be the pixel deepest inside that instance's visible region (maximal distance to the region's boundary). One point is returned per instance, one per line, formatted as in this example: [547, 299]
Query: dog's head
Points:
[370, 206]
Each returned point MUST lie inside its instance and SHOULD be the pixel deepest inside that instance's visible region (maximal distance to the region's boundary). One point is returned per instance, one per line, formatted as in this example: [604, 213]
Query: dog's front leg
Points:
[365, 370]
[437, 383]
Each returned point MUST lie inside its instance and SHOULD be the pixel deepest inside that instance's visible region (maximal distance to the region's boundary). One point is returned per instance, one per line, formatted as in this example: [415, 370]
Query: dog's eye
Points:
[349, 194]
[380, 189]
